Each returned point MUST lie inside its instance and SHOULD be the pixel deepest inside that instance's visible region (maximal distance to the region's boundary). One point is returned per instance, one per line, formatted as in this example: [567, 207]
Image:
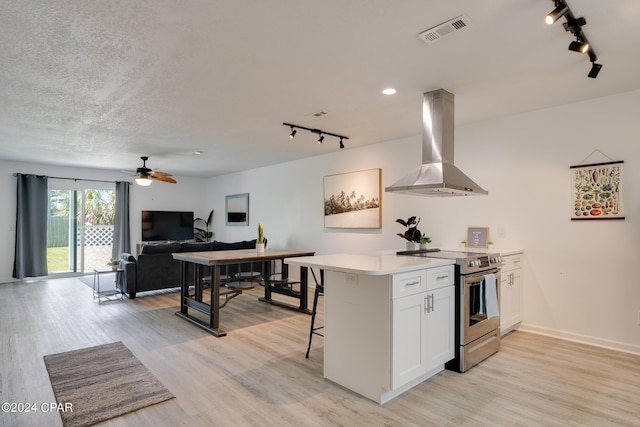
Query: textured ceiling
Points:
[102, 83]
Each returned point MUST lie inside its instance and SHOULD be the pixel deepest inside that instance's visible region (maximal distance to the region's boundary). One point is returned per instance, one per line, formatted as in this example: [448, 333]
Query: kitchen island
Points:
[388, 322]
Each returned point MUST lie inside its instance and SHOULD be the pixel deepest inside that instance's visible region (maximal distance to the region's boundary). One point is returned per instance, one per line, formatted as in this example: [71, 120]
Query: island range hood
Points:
[437, 176]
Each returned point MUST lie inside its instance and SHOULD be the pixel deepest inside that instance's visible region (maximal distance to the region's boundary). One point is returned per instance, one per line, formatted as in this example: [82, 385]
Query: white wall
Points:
[579, 278]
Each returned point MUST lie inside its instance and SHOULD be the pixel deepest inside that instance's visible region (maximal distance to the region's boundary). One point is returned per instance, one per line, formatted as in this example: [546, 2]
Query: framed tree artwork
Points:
[352, 200]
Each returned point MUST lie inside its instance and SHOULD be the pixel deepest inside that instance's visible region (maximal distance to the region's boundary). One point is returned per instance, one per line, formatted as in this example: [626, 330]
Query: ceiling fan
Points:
[144, 175]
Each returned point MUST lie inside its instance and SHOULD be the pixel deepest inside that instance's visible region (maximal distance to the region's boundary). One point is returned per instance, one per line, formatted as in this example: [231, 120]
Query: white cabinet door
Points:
[408, 335]
[439, 326]
[423, 333]
[511, 293]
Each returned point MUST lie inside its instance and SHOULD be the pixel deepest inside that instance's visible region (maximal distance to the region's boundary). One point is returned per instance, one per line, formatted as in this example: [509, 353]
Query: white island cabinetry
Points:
[389, 321]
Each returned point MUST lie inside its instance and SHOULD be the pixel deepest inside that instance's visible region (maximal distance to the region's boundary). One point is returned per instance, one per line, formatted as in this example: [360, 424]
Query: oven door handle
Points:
[481, 274]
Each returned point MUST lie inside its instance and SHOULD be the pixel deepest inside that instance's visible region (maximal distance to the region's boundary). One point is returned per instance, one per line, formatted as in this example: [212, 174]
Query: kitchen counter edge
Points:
[371, 265]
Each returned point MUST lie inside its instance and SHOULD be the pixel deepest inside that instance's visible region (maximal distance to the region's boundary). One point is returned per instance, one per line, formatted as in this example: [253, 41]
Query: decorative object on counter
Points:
[353, 199]
[204, 234]
[463, 243]
[597, 190]
[260, 241]
[477, 237]
[424, 241]
[412, 235]
[114, 263]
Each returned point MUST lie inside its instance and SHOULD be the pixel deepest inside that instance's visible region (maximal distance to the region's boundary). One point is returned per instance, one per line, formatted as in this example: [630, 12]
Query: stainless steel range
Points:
[477, 304]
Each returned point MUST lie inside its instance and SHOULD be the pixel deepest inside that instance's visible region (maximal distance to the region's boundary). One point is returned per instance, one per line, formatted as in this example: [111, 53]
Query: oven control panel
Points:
[484, 262]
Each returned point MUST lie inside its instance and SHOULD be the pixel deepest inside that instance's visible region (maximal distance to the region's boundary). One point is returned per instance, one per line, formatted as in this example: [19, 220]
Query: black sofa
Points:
[155, 268]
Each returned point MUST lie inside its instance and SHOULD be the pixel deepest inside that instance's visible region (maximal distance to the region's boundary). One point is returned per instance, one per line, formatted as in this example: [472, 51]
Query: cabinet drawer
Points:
[439, 277]
[409, 283]
[511, 262]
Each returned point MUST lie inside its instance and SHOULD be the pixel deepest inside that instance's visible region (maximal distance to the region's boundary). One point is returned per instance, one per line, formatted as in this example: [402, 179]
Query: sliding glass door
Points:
[79, 228]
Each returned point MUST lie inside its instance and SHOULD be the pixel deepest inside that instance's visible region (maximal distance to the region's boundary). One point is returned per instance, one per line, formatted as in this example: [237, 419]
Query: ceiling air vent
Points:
[434, 34]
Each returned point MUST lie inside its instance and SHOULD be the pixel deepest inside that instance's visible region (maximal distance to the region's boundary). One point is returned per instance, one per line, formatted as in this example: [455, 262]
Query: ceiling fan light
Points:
[144, 182]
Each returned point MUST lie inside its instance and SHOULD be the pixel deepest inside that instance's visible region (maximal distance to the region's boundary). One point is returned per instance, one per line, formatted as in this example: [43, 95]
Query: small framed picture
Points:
[477, 237]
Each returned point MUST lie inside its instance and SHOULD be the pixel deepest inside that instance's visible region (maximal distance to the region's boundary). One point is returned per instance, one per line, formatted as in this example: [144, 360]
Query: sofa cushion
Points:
[196, 247]
[222, 246]
[249, 244]
[127, 257]
[161, 248]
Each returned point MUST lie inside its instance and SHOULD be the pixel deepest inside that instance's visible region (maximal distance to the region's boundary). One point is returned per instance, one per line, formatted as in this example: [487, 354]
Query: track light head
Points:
[293, 133]
[321, 139]
[578, 46]
[556, 13]
[341, 144]
[595, 69]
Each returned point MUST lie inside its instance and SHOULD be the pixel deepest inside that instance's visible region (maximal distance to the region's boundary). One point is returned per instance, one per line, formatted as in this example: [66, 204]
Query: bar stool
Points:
[313, 330]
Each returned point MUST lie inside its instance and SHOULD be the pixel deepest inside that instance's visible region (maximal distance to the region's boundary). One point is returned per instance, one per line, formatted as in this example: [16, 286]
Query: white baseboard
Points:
[583, 339]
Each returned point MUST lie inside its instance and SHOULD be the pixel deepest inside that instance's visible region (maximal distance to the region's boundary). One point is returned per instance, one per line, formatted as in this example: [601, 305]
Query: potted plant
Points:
[203, 234]
[260, 241]
[411, 234]
[424, 240]
[114, 263]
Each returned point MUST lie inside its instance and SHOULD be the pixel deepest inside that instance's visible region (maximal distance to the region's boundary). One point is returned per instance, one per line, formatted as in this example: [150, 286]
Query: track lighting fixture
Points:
[595, 69]
[578, 46]
[557, 13]
[318, 131]
[574, 26]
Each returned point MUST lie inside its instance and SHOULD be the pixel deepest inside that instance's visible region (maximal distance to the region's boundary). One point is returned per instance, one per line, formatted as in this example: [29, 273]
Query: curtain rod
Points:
[73, 179]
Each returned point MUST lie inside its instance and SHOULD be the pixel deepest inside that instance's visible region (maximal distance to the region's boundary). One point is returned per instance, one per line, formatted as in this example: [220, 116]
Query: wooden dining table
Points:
[216, 260]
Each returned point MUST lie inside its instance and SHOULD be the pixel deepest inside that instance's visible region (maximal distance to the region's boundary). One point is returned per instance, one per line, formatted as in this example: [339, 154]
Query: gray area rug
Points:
[101, 382]
[107, 281]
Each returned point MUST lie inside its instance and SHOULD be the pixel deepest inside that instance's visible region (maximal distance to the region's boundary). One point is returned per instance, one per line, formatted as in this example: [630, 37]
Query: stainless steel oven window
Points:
[474, 316]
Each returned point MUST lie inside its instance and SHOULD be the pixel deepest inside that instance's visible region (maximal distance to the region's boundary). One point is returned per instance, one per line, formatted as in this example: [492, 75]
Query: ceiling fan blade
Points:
[162, 178]
[157, 173]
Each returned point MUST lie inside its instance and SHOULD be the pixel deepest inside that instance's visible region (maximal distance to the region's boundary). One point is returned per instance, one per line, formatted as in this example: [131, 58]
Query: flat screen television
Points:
[166, 225]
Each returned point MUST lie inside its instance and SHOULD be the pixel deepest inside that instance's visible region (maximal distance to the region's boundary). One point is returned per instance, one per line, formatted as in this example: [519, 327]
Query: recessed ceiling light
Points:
[197, 153]
[389, 91]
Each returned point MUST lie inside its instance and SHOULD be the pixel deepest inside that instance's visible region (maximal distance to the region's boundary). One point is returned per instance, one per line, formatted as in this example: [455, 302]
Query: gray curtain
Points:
[121, 228]
[31, 227]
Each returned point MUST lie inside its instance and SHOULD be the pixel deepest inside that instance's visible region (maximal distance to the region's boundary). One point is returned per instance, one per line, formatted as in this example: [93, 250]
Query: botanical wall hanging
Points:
[352, 200]
[597, 191]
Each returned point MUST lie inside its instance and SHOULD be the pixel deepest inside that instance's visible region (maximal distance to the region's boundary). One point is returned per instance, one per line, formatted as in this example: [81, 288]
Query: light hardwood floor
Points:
[258, 375]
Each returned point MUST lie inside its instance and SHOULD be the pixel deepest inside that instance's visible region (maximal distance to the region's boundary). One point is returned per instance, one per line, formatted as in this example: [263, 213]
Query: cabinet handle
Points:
[429, 303]
[442, 277]
[417, 282]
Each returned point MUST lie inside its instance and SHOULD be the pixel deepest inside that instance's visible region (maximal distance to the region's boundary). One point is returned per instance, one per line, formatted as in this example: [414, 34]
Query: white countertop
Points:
[373, 265]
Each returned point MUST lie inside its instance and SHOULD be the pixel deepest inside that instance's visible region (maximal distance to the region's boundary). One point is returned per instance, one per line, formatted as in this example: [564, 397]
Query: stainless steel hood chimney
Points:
[437, 176]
